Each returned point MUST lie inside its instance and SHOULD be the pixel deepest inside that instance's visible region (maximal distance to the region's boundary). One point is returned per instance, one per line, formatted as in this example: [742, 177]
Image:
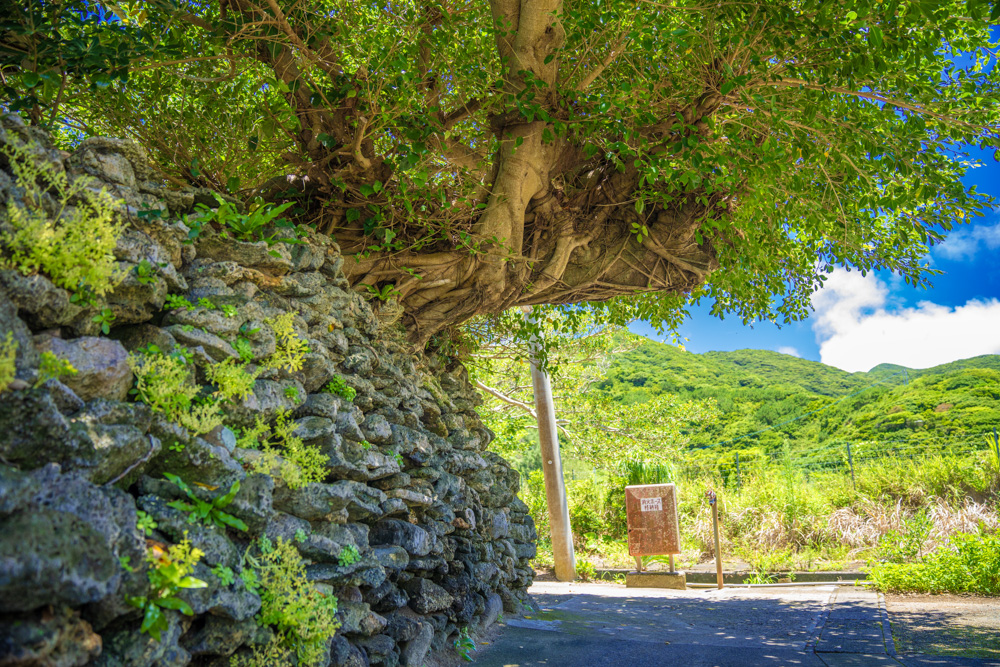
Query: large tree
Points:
[480, 155]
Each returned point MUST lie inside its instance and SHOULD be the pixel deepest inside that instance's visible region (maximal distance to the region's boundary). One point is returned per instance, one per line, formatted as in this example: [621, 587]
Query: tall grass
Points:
[782, 517]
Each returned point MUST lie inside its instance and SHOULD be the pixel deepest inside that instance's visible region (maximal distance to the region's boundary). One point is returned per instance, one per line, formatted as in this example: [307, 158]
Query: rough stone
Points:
[415, 651]
[345, 654]
[251, 255]
[219, 636]
[441, 539]
[413, 538]
[56, 559]
[51, 637]
[427, 597]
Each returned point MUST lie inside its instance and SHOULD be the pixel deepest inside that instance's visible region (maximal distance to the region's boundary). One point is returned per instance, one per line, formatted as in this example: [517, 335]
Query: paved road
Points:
[598, 625]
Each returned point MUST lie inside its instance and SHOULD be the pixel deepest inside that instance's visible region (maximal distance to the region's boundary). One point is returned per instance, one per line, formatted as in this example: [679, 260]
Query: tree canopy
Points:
[474, 156]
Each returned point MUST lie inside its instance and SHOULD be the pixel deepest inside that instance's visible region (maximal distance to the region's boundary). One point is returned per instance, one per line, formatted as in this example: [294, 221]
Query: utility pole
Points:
[555, 487]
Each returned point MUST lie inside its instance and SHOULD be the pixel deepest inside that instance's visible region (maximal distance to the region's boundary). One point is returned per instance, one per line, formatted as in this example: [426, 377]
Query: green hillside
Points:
[765, 398]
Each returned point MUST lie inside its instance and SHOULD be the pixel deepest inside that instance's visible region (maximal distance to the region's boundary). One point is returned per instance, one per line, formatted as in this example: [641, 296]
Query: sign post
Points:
[653, 530]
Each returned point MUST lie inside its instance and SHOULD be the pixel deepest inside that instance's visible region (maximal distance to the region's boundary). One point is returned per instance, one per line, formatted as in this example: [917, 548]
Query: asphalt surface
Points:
[602, 625]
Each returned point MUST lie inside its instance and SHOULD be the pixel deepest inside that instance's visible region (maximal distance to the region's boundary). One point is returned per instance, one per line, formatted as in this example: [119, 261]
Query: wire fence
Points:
[845, 457]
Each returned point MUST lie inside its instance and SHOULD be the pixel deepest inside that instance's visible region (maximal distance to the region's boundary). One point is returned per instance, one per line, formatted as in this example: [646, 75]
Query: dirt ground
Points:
[946, 625]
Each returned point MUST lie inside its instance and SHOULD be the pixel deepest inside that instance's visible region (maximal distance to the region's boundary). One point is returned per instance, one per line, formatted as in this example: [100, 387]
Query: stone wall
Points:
[443, 540]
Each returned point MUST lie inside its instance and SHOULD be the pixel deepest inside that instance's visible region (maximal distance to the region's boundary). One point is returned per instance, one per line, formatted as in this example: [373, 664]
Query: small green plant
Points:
[585, 570]
[209, 513]
[52, 367]
[8, 356]
[292, 393]
[243, 348]
[338, 387]
[349, 555]
[464, 644]
[760, 577]
[290, 349]
[74, 246]
[384, 293]
[301, 464]
[232, 379]
[178, 446]
[224, 574]
[366, 445]
[399, 459]
[145, 272]
[169, 573]
[176, 301]
[245, 227]
[163, 384]
[105, 319]
[303, 618]
[145, 523]
[250, 580]
[182, 354]
[300, 536]
[206, 303]
[228, 310]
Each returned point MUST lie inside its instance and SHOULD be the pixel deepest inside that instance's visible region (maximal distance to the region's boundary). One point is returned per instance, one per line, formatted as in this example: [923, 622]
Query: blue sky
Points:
[861, 322]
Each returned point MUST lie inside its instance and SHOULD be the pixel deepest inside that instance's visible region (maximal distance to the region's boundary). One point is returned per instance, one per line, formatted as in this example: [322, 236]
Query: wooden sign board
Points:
[652, 520]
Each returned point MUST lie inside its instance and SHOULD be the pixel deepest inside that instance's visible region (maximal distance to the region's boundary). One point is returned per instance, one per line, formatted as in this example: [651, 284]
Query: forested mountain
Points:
[768, 400]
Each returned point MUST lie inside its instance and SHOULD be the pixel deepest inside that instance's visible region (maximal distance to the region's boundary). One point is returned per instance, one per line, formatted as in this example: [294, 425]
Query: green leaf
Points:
[225, 500]
[176, 604]
[29, 79]
[232, 521]
[153, 622]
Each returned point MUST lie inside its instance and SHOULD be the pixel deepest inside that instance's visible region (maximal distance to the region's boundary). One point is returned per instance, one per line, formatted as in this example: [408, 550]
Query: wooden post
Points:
[555, 487]
[739, 477]
[672, 568]
[715, 525]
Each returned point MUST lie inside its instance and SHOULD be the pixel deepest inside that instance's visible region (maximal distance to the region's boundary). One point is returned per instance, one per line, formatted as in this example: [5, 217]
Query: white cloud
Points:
[857, 328]
[790, 351]
[965, 243]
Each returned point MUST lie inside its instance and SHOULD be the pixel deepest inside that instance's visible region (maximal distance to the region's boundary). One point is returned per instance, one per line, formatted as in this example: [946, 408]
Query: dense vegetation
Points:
[473, 156]
[926, 468]
[764, 398]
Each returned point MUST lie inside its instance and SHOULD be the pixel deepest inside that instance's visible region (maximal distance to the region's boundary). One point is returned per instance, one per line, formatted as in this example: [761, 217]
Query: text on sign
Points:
[651, 505]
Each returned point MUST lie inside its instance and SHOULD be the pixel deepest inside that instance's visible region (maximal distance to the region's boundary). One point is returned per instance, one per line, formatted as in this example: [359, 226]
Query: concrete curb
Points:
[740, 577]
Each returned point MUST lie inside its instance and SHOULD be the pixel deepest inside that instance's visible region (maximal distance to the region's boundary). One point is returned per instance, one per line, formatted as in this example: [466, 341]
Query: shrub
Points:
[231, 379]
[290, 349]
[163, 383]
[303, 618]
[302, 464]
[75, 247]
[970, 563]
